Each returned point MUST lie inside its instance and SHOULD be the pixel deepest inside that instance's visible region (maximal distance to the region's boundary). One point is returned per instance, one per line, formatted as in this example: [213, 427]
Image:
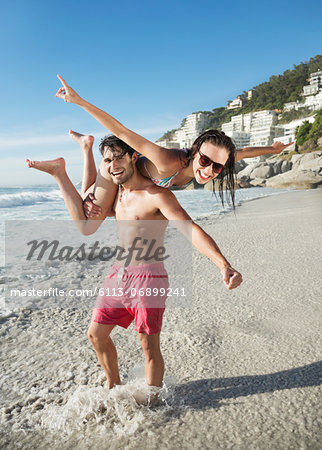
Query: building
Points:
[315, 85]
[240, 138]
[290, 130]
[168, 144]
[292, 105]
[314, 102]
[191, 129]
[234, 104]
[312, 93]
[258, 128]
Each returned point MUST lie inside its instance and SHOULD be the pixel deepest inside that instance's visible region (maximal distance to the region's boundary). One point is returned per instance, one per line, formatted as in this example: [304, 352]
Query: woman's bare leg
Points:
[56, 168]
[105, 192]
[89, 168]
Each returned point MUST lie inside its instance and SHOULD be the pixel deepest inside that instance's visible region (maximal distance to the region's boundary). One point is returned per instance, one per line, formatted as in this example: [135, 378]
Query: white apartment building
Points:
[314, 101]
[260, 127]
[240, 138]
[168, 144]
[315, 84]
[234, 104]
[191, 129]
[290, 129]
[292, 105]
[312, 93]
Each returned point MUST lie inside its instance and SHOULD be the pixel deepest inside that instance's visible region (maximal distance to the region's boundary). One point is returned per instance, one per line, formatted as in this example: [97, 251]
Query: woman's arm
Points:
[162, 158]
[252, 152]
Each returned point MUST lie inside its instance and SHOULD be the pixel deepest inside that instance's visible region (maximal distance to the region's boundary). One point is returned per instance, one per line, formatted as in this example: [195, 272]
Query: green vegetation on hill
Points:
[294, 114]
[310, 131]
[272, 94]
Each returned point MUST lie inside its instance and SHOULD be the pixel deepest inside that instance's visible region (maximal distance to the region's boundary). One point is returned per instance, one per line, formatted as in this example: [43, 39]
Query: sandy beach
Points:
[243, 368]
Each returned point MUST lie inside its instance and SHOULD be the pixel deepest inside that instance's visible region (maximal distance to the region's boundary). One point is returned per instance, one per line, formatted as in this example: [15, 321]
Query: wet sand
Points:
[246, 364]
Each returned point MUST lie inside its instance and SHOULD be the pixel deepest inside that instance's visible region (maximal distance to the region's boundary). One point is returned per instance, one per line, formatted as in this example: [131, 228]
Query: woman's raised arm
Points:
[162, 158]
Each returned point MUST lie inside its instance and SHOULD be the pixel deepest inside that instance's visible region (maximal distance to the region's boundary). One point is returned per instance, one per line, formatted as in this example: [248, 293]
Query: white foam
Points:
[121, 410]
[28, 198]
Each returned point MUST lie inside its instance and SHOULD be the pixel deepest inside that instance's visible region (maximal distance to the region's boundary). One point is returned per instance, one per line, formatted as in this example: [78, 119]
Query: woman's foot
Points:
[53, 167]
[85, 141]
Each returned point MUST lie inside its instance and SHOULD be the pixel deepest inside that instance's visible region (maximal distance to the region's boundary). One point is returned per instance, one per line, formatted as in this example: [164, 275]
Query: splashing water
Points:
[122, 410]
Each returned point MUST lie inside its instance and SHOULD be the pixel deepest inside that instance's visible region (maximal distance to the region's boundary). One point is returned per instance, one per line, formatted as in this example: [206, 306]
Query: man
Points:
[139, 202]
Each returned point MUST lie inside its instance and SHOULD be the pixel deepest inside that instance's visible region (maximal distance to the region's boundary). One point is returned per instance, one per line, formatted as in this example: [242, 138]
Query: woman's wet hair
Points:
[226, 178]
[115, 145]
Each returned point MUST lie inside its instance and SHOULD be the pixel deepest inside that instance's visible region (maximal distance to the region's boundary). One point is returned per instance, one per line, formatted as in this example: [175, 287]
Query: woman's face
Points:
[213, 152]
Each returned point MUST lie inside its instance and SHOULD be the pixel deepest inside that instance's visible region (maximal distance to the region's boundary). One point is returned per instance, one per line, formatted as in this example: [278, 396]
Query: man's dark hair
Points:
[226, 178]
[116, 146]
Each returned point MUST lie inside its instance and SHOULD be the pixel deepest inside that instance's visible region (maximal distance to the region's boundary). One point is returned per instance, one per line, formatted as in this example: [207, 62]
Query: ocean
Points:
[46, 202]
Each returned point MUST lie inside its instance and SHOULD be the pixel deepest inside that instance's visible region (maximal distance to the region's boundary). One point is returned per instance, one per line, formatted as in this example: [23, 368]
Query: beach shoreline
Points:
[246, 363]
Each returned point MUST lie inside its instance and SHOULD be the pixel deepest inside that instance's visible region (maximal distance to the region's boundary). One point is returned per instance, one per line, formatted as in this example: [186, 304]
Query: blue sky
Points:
[149, 64]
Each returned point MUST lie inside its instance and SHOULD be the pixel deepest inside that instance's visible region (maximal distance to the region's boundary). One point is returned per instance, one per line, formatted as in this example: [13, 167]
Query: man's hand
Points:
[278, 147]
[67, 93]
[231, 277]
[89, 208]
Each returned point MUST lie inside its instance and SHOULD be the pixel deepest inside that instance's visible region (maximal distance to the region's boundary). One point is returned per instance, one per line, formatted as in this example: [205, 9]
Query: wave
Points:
[28, 198]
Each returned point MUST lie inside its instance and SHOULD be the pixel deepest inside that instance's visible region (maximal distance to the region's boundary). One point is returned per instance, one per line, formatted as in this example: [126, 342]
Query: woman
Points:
[213, 154]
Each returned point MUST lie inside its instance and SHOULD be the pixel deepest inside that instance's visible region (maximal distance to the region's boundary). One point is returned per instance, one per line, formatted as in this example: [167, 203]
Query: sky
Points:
[149, 64]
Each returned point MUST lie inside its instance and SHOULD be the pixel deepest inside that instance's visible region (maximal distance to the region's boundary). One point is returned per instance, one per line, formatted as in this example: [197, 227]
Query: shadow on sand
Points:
[208, 393]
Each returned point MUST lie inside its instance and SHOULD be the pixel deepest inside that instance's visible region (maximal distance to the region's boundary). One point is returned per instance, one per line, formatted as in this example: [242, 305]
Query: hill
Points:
[272, 94]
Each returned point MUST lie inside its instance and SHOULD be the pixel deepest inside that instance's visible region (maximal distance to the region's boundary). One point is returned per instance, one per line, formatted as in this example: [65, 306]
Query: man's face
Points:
[119, 167]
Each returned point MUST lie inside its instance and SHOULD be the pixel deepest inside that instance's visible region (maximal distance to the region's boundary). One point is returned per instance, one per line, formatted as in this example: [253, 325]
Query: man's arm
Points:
[252, 152]
[163, 158]
[169, 206]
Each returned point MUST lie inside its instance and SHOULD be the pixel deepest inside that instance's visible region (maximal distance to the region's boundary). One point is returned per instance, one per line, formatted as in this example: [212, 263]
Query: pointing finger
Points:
[63, 82]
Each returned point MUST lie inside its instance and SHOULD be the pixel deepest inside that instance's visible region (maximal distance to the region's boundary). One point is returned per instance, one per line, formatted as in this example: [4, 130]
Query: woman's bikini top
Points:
[168, 181]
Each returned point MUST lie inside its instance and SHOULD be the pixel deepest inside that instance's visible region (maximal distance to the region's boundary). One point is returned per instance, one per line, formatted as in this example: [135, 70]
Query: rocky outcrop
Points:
[301, 179]
[302, 171]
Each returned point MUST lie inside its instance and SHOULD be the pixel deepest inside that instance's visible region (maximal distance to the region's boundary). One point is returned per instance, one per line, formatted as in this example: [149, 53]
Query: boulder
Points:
[315, 165]
[286, 166]
[243, 183]
[240, 165]
[277, 166]
[299, 179]
[306, 157]
[295, 158]
[264, 171]
[258, 182]
[248, 169]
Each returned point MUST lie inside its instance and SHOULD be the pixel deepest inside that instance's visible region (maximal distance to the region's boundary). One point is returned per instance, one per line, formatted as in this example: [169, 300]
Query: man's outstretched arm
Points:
[169, 206]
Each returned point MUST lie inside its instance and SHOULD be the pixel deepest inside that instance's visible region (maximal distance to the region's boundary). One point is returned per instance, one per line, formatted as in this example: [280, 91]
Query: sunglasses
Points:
[204, 161]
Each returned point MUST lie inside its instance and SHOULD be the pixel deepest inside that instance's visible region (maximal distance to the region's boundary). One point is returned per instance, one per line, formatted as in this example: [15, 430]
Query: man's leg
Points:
[99, 336]
[154, 364]
[89, 169]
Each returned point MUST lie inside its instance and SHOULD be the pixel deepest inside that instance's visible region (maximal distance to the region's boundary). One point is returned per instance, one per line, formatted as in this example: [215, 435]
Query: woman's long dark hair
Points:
[226, 178]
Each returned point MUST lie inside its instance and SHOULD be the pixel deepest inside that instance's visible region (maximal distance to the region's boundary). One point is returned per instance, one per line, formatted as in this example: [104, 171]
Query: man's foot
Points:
[85, 141]
[53, 167]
